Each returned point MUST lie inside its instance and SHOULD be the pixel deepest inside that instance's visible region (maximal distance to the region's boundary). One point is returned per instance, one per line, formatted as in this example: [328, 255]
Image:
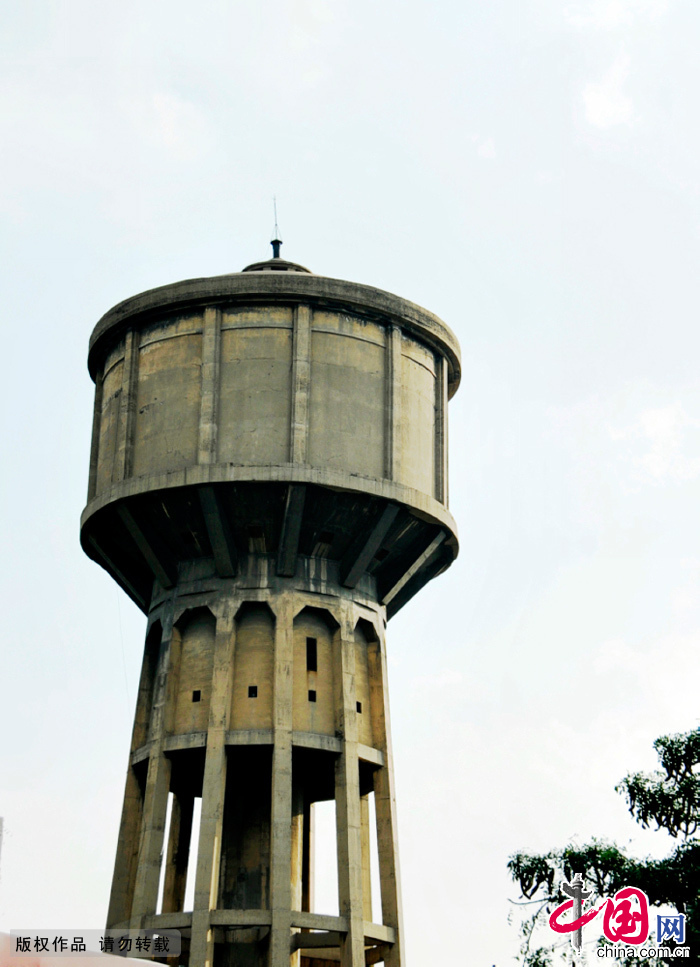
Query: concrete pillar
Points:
[155, 802]
[281, 812]
[213, 792]
[385, 801]
[347, 800]
[124, 878]
[153, 827]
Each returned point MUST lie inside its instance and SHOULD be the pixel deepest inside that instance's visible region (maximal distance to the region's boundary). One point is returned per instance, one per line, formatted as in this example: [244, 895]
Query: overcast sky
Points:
[527, 170]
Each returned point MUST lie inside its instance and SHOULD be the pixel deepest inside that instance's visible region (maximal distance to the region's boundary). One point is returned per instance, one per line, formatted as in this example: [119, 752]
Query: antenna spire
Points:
[276, 241]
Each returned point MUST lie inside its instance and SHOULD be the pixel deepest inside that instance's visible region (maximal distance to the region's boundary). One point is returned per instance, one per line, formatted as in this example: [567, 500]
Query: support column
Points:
[124, 878]
[206, 890]
[157, 782]
[126, 863]
[281, 812]
[154, 811]
[347, 802]
[385, 801]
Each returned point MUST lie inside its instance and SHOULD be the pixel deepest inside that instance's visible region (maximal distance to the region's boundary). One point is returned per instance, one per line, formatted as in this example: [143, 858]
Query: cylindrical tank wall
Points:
[372, 411]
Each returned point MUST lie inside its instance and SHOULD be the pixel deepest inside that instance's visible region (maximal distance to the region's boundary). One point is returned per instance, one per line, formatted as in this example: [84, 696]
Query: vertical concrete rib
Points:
[385, 801]
[211, 363]
[442, 455]
[206, 888]
[445, 432]
[157, 782]
[392, 408]
[127, 406]
[439, 425]
[347, 801]
[95, 445]
[301, 381]
[281, 807]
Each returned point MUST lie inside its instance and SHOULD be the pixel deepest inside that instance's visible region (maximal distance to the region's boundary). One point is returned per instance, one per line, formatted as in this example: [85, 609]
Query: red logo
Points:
[625, 916]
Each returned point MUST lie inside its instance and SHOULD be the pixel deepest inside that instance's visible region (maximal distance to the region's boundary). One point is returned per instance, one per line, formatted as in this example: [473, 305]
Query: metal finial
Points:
[276, 241]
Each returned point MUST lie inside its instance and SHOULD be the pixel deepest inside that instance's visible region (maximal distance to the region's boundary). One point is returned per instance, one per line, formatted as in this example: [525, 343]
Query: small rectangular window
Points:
[252, 691]
[312, 695]
[197, 695]
[359, 706]
[311, 655]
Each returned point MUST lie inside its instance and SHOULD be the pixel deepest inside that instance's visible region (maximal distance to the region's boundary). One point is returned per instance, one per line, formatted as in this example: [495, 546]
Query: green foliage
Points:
[669, 798]
[672, 800]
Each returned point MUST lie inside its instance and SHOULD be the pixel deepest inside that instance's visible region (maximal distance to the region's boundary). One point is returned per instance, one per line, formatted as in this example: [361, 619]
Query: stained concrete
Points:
[268, 481]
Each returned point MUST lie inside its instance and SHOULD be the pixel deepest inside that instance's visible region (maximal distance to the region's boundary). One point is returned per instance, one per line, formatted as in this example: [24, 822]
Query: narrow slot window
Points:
[252, 691]
[358, 705]
[311, 655]
[197, 695]
[312, 695]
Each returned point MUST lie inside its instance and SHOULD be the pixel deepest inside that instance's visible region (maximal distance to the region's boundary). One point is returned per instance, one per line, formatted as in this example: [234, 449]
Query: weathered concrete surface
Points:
[268, 481]
[265, 386]
[216, 639]
[271, 378]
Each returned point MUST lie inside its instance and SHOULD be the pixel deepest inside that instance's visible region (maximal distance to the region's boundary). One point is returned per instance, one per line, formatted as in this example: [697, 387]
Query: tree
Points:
[669, 798]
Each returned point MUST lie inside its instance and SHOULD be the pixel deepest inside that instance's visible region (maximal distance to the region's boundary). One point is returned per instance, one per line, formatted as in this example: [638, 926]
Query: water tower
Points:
[268, 482]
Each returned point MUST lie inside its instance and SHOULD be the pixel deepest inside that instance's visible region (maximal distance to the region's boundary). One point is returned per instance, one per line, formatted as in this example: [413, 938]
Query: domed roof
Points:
[276, 264]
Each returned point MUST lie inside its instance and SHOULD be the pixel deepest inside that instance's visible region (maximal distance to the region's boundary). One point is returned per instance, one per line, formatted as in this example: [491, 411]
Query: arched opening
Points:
[196, 630]
[253, 667]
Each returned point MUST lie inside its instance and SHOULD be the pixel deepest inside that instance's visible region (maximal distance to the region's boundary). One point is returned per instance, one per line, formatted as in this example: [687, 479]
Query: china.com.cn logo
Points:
[625, 916]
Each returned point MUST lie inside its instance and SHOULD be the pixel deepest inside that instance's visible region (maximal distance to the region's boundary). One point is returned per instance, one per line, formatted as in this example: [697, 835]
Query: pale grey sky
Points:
[525, 169]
